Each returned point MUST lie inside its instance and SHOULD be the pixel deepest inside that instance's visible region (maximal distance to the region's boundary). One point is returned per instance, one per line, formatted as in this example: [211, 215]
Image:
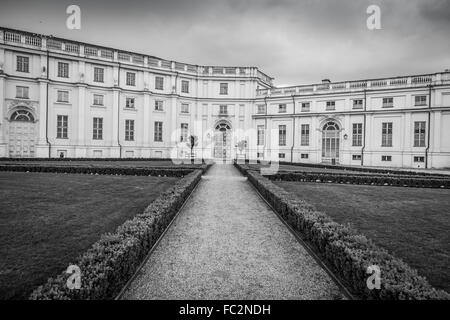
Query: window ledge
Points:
[98, 106]
[63, 103]
[130, 109]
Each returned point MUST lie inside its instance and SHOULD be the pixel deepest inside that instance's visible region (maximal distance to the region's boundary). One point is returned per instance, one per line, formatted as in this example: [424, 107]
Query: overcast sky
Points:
[294, 41]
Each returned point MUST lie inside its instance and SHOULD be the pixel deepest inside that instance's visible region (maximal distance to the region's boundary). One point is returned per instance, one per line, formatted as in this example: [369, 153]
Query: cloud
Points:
[291, 40]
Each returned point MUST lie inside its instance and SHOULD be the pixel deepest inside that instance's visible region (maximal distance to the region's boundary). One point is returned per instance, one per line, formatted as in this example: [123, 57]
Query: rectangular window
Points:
[357, 135]
[357, 104]
[386, 158]
[159, 83]
[281, 135]
[61, 126]
[22, 92]
[223, 109]
[306, 106]
[129, 103]
[23, 64]
[331, 105]
[131, 79]
[98, 99]
[184, 108]
[282, 108]
[304, 135]
[388, 102]
[99, 74]
[261, 109]
[386, 134]
[97, 129]
[158, 131]
[260, 155]
[356, 157]
[420, 100]
[184, 132]
[419, 133]
[224, 88]
[304, 156]
[260, 136]
[129, 130]
[63, 69]
[62, 96]
[281, 155]
[159, 105]
[184, 86]
[419, 159]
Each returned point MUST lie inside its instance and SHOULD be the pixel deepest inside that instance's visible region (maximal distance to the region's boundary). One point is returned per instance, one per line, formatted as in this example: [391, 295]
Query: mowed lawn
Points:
[48, 219]
[412, 223]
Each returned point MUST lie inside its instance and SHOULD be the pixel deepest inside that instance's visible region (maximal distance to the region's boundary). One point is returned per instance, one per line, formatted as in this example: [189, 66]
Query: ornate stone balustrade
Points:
[386, 83]
[53, 44]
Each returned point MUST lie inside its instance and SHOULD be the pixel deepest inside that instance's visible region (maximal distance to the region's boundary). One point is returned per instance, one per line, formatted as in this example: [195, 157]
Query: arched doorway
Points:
[22, 134]
[222, 140]
[330, 142]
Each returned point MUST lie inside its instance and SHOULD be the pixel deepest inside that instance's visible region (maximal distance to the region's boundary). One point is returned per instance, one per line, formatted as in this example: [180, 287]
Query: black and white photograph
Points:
[223, 155]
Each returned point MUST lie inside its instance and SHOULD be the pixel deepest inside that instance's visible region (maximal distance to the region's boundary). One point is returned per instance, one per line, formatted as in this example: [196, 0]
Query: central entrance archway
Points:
[21, 134]
[330, 142]
[222, 140]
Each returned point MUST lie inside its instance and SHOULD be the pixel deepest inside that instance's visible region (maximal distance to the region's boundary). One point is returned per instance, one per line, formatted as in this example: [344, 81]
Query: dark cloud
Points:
[437, 11]
[294, 41]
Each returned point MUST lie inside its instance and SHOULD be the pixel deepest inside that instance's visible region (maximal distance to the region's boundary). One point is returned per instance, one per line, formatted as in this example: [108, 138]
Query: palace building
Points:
[62, 98]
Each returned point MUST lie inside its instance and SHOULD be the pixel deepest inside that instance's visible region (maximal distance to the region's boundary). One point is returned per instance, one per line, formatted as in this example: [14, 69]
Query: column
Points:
[3, 143]
[42, 146]
[115, 123]
[146, 122]
[81, 115]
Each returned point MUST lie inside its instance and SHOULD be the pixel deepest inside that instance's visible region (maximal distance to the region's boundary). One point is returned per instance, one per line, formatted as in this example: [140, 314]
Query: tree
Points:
[242, 145]
[192, 141]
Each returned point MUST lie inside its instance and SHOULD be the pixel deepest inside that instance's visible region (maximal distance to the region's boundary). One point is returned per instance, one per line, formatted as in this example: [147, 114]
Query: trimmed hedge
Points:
[111, 262]
[400, 181]
[355, 168]
[347, 253]
[95, 159]
[111, 170]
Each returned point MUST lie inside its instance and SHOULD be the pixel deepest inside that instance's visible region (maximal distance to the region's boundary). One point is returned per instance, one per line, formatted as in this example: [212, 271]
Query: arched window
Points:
[329, 126]
[330, 141]
[22, 115]
[223, 127]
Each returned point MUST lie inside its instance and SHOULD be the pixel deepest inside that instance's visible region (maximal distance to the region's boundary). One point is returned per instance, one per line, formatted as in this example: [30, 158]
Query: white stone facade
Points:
[89, 101]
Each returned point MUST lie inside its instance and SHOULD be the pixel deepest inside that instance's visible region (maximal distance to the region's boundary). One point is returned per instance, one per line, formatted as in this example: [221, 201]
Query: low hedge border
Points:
[345, 251]
[361, 169]
[401, 181]
[105, 170]
[111, 261]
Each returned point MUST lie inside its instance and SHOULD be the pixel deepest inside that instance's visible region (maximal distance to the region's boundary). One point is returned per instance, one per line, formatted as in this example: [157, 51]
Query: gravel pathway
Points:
[228, 244]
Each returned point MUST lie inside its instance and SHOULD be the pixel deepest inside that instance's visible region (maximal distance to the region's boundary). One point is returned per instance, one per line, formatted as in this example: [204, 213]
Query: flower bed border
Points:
[111, 261]
[345, 252]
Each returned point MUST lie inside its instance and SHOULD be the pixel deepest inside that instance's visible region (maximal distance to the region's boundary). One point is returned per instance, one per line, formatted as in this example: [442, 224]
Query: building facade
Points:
[64, 98]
